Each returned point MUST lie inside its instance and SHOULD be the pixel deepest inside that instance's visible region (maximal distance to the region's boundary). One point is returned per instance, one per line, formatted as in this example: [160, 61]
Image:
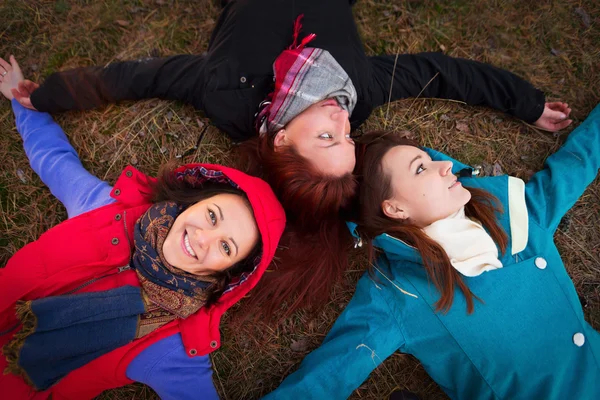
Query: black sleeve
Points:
[473, 82]
[173, 78]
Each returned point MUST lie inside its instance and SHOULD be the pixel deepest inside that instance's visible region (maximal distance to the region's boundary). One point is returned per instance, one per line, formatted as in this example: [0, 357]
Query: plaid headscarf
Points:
[303, 76]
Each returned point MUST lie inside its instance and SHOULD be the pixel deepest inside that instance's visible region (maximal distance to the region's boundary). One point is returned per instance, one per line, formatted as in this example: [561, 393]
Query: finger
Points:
[30, 86]
[554, 115]
[562, 124]
[554, 104]
[5, 65]
[23, 100]
[14, 63]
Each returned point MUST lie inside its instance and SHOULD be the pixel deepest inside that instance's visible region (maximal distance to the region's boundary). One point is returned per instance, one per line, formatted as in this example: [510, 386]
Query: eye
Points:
[226, 248]
[326, 135]
[420, 169]
[212, 216]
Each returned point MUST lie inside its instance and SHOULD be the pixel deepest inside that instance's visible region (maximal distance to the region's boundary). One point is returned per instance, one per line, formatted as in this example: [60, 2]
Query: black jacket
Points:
[230, 80]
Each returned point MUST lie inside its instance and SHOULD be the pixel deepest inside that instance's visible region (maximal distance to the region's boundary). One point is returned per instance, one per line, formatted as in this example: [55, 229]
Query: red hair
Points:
[313, 252]
[376, 186]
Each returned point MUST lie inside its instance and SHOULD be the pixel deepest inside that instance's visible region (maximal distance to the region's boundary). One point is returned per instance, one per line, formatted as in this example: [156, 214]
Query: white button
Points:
[578, 339]
[541, 263]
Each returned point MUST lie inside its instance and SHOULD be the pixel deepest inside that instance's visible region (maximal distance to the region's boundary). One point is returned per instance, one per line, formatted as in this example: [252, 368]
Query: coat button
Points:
[578, 339]
[117, 192]
[243, 79]
[115, 241]
[541, 263]
[213, 344]
[193, 352]
[118, 217]
[129, 174]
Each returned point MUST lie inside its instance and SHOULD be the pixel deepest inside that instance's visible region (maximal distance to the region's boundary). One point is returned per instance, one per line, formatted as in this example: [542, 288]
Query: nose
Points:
[340, 118]
[203, 238]
[445, 168]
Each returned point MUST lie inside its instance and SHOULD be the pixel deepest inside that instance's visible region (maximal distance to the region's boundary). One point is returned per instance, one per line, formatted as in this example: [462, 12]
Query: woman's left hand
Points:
[10, 76]
[555, 117]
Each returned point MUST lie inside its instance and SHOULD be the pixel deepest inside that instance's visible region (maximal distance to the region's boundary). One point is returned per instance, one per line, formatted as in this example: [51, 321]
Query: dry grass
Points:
[546, 42]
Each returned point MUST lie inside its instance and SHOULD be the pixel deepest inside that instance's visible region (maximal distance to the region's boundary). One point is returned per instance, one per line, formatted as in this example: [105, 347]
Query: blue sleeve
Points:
[551, 192]
[171, 373]
[363, 336]
[57, 164]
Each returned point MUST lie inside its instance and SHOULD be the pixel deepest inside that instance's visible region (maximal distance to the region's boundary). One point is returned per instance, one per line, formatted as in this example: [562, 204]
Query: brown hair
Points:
[313, 251]
[169, 188]
[376, 186]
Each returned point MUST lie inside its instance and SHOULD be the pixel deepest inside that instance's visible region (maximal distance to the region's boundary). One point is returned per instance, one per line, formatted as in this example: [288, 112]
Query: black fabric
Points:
[236, 74]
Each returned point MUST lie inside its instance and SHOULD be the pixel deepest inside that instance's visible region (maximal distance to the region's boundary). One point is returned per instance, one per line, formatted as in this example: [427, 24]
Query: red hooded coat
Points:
[85, 253]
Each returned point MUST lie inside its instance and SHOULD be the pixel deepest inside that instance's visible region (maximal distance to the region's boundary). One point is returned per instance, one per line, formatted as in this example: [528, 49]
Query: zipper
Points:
[118, 271]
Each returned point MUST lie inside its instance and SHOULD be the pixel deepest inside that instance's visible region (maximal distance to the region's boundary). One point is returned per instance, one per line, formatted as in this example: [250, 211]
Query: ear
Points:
[392, 209]
[280, 138]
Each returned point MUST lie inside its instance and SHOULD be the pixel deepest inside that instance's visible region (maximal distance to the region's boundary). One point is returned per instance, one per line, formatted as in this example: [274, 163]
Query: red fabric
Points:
[83, 248]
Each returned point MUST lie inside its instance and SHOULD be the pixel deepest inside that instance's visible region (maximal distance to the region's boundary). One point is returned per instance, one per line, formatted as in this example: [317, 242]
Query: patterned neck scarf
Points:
[164, 285]
[303, 76]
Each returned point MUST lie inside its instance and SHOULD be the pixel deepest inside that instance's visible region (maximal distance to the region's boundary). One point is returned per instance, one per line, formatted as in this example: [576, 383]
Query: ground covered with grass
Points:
[554, 44]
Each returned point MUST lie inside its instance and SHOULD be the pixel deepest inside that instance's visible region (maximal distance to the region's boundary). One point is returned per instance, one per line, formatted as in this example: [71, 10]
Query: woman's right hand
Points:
[12, 84]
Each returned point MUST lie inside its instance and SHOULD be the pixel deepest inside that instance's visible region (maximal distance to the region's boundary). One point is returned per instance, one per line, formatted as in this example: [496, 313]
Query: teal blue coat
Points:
[527, 340]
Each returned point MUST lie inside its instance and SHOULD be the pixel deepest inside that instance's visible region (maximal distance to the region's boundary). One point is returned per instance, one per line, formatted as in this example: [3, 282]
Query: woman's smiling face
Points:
[211, 235]
[423, 190]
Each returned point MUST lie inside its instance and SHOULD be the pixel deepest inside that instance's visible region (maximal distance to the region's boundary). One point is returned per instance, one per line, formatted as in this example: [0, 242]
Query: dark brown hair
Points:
[169, 188]
[313, 251]
[376, 186]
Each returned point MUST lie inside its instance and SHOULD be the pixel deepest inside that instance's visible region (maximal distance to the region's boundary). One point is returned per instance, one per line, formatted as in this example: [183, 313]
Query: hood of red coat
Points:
[268, 212]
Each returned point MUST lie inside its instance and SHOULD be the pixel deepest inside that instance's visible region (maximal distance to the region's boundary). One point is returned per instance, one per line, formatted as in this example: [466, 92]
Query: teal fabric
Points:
[518, 344]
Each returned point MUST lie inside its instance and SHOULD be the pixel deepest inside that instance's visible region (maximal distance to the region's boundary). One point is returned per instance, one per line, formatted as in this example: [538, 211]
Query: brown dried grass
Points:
[518, 35]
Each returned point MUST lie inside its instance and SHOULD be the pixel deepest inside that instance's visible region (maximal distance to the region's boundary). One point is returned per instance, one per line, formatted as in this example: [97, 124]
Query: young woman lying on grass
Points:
[133, 285]
[468, 279]
[297, 91]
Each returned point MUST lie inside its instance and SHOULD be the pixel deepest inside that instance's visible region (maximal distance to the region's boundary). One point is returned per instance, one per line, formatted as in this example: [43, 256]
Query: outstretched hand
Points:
[12, 84]
[555, 117]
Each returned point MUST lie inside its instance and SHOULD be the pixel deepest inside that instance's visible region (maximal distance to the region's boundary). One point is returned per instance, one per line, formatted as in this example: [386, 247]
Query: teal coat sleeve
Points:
[551, 192]
[364, 335]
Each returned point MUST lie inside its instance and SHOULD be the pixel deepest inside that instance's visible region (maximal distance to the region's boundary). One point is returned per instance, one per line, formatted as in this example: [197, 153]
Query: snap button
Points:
[541, 263]
[213, 344]
[118, 217]
[129, 174]
[193, 352]
[115, 241]
[117, 192]
[579, 339]
[243, 79]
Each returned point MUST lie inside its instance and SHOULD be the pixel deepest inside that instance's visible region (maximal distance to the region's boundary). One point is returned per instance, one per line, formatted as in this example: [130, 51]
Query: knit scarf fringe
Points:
[13, 348]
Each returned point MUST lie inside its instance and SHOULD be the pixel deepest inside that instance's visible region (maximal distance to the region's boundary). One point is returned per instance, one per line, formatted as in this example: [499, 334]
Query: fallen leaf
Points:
[406, 135]
[21, 175]
[122, 22]
[299, 345]
[497, 170]
[585, 18]
[463, 127]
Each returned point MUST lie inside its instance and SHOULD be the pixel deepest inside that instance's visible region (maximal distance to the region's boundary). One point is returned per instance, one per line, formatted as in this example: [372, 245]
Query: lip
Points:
[329, 103]
[455, 184]
[187, 253]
